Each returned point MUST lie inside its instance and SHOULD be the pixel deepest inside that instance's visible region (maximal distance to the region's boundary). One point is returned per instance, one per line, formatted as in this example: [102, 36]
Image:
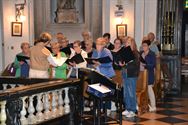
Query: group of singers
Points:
[126, 74]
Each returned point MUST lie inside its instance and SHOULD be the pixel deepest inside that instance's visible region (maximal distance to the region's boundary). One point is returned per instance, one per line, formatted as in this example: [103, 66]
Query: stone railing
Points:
[38, 103]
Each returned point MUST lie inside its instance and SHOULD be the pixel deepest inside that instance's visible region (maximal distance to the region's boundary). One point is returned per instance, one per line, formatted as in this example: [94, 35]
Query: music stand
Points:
[96, 77]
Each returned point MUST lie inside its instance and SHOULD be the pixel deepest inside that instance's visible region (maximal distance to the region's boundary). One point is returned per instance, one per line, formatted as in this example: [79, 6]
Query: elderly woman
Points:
[104, 68]
[22, 66]
[77, 50]
[89, 47]
[58, 71]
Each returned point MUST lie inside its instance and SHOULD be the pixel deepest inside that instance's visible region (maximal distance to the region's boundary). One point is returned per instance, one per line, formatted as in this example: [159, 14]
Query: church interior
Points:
[94, 62]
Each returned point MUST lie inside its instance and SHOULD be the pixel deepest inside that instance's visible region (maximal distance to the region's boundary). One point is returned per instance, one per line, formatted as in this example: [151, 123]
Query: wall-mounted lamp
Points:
[119, 13]
[20, 11]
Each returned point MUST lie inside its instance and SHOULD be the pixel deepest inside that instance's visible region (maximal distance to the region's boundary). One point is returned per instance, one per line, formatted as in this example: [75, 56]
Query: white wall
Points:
[140, 17]
[110, 21]
[1, 41]
[145, 18]
[12, 44]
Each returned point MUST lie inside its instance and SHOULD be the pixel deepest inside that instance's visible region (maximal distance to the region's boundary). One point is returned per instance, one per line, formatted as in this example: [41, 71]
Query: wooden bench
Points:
[141, 92]
[158, 85]
[166, 80]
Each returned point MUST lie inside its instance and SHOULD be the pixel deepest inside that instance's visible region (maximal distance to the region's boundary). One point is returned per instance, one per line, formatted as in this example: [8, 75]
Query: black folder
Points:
[22, 58]
[105, 59]
[125, 54]
[66, 50]
[77, 59]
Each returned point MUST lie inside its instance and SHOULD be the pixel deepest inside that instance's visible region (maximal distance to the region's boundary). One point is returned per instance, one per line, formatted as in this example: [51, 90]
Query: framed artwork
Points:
[17, 29]
[121, 30]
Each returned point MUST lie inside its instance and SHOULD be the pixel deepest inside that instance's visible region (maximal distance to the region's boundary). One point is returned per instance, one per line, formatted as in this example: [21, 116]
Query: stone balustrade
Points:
[36, 103]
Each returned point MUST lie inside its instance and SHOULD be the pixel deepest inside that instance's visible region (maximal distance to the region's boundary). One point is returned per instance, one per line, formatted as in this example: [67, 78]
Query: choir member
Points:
[22, 65]
[58, 71]
[105, 68]
[116, 54]
[109, 45]
[89, 47]
[130, 73]
[149, 64]
[74, 66]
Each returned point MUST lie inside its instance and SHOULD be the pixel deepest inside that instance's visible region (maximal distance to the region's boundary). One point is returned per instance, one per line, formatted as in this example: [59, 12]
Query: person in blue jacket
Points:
[149, 64]
[104, 68]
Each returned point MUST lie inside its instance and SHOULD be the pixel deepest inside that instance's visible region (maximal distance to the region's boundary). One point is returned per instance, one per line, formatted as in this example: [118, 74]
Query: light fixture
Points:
[20, 11]
[119, 13]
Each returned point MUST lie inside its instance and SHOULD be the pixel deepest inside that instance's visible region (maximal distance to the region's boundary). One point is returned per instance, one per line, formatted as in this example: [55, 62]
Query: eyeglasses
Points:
[75, 46]
[55, 48]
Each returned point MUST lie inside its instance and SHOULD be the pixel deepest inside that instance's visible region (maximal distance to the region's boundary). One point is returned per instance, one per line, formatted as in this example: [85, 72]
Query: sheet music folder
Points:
[66, 50]
[98, 78]
[22, 58]
[77, 59]
[106, 59]
[125, 54]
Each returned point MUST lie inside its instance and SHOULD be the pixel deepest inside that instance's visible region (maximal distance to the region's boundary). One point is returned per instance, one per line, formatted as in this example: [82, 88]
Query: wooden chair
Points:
[184, 66]
[141, 92]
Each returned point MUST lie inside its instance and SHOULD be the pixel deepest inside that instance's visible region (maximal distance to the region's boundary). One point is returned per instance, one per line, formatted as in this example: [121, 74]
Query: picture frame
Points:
[17, 29]
[121, 30]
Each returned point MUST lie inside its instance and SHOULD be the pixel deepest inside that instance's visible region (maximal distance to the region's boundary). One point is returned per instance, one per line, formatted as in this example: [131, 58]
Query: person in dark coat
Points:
[149, 64]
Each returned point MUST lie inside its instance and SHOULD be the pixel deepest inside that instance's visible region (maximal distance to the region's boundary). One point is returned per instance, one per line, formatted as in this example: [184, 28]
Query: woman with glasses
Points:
[77, 50]
[150, 63]
[116, 56]
[58, 71]
[89, 47]
[104, 68]
[22, 66]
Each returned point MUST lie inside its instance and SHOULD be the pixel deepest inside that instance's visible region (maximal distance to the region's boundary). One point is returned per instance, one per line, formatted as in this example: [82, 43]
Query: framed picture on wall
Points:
[17, 29]
[121, 30]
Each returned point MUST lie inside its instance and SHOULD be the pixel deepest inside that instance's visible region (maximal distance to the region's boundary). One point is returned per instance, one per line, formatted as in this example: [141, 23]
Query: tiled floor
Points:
[172, 111]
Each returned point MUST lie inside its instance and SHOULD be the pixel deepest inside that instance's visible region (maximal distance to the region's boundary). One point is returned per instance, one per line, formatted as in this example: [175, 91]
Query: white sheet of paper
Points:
[100, 88]
[56, 61]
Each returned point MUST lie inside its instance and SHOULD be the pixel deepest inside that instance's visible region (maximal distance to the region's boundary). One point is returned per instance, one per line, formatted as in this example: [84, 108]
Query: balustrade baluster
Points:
[23, 119]
[5, 86]
[3, 113]
[31, 110]
[54, 104]
[39, 108]
[13, 85]
[60, 102]
[46, 105]
[67, 106]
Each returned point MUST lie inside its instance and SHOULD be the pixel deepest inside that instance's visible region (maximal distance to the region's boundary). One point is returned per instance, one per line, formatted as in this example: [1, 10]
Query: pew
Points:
[39, 103]
[142, 93]
[158, 85]
[166, 80]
